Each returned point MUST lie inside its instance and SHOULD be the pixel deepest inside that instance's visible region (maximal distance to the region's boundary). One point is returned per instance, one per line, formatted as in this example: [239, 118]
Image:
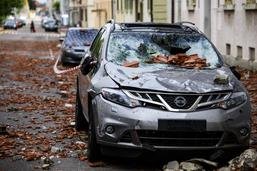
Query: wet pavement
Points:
[37, 107]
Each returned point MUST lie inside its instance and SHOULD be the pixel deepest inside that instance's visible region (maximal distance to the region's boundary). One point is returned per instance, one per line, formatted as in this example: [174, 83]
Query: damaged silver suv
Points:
[146, 86]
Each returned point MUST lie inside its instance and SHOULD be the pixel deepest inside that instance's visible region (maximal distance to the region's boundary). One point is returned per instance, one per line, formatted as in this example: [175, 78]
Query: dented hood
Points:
[159, 77]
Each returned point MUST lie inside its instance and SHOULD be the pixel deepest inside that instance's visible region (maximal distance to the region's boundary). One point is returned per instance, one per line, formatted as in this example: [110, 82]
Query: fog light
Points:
[244, 131]
[109, 129]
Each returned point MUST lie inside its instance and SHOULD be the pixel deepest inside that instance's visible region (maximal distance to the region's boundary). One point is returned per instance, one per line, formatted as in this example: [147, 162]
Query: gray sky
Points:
[42, 1]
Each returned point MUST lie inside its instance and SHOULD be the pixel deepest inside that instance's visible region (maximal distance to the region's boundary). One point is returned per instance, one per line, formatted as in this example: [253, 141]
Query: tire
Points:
[80, 121]
[93, 151]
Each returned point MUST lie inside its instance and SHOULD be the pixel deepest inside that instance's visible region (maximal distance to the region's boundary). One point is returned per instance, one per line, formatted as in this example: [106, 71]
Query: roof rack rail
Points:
[111, 21]
[188, 25]
[185, 22]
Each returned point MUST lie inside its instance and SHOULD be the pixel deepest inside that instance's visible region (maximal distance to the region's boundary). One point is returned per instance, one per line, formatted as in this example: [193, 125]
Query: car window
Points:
[144, 46]
[97, 44]
[10, 22]
[80, 37]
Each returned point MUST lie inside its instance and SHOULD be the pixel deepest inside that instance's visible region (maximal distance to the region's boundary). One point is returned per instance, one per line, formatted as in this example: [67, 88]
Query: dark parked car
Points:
[20, 22]
[10, 24]
[146, 86]
[51, 25]
[75, 44]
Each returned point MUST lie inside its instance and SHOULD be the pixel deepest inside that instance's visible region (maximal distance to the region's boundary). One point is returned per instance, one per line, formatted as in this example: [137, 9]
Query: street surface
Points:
[37, 106]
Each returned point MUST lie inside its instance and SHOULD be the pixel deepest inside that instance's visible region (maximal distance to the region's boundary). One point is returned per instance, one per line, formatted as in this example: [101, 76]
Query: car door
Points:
[84, 81]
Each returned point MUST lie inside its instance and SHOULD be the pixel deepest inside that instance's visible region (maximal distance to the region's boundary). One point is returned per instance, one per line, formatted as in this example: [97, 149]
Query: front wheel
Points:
[93, 152]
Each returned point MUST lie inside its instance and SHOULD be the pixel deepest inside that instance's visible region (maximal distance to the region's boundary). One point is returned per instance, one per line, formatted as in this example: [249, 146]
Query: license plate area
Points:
[182, 125]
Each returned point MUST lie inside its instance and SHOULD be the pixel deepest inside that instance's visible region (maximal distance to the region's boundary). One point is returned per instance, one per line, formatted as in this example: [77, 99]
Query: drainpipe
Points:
[179, 10]
[172, 11]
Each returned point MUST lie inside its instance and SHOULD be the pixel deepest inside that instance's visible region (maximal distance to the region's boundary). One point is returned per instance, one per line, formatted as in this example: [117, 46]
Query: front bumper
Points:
[51, 28]
[137, 128]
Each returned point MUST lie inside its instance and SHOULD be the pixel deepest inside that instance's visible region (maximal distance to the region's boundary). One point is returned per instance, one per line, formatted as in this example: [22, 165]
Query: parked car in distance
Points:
[44, 20]
[76, 43]
[10, 24]
[154, 87]
[20, 22]
[51, 25]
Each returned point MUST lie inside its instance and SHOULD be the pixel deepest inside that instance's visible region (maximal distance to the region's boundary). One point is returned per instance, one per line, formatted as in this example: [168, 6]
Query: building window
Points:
[130, 6]
[85, 15]
[121, 5]
[228, 49]
[81, 14]
[229, 5]
[239, 52]
[250, 1]
[118, 5]
[149, 3]
[250, 5]
[191, 4]
[126, 5]
[251, 54]
[229, 2]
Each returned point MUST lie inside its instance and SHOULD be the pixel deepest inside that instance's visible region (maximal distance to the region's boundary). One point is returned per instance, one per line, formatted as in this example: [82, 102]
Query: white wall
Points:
[195, 16]
[92, 18]
[238, 27]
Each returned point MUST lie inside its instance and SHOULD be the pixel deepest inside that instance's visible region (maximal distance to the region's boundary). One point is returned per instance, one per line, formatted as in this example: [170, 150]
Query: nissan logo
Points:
[180, 101]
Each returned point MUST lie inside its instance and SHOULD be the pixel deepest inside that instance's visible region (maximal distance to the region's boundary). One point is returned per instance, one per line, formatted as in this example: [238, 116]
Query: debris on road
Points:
[68, 105]
[96, 164]
[186, 165]
[37, 119]
[246, 161]
[3, 129]
[55, 149]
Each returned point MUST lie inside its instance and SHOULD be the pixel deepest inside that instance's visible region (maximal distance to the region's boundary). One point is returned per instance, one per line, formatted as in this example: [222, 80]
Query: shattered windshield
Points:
[137, 49]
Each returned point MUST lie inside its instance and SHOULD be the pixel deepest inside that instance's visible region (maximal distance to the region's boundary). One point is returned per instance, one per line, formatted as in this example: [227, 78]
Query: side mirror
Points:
[87, 64]
[61, 39]
[235, 72]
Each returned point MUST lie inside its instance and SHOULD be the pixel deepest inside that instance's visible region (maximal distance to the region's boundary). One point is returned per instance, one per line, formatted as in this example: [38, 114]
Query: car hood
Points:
[170, 79]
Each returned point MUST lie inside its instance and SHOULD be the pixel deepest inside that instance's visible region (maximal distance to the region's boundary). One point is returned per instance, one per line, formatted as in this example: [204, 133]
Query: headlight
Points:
[117, 96]
[235, 100]
[68, 49]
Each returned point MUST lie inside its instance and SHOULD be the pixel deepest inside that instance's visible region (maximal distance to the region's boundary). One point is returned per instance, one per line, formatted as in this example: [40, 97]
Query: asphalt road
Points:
[37, 107]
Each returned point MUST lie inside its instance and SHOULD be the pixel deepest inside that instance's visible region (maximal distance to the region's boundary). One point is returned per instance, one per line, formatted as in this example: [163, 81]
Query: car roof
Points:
[186, 27]
[81, 28]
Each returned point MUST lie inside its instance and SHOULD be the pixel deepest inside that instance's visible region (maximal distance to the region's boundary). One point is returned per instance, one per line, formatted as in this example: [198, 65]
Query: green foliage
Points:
[32, 4]
[6, 7]
[56, 6]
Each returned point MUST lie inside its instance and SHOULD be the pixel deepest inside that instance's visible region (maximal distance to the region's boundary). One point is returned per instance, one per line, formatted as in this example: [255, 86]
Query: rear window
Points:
[80, 37]
[10, 22]
[162, 48]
